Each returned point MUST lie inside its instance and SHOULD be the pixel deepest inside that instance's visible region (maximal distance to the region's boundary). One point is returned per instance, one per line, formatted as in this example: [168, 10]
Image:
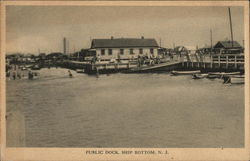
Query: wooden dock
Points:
[188, 62]
[216, 62]
[167, 66]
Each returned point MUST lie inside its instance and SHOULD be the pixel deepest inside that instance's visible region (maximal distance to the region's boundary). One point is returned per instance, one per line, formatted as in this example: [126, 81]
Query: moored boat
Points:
[213, 75]
[224, 73]
[237, 80]
[234, 79]
[199, 76]
[174, 72]
[79, 70]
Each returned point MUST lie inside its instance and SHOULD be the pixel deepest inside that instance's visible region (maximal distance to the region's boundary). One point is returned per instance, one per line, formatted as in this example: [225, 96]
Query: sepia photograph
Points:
[125, 76]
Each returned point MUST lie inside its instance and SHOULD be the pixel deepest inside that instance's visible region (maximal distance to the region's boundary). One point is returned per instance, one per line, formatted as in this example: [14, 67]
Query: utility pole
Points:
[211, 38]
[64, 45]
[231, 28]
[160, 42]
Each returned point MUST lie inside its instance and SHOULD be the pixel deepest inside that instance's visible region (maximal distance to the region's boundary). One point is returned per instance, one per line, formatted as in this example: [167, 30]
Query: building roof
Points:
[227, 44]
[191, 47]
[123, 43]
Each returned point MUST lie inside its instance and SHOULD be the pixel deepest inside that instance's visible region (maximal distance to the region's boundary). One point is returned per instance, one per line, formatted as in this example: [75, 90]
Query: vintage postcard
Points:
[124, 80]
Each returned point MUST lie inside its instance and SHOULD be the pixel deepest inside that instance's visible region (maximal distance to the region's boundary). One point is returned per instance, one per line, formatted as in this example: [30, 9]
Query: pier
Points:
[215, 62]
[229, 62]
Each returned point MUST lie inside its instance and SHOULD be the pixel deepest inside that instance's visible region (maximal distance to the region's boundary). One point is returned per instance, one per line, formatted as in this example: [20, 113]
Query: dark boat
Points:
[199, 76]
[213, 75]
[185, 72]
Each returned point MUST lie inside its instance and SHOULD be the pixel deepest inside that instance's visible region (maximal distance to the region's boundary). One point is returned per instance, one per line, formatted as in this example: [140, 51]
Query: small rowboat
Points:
[199, 76]
[79, 70]
[234, 79]
[224, 73]
[174, 72]
[237, 79]
[213, 75]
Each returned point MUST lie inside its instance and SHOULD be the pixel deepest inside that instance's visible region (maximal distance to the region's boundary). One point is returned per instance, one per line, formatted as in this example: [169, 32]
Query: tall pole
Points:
[211, 38]
[231, 29]
[160, 42]
[64, 45]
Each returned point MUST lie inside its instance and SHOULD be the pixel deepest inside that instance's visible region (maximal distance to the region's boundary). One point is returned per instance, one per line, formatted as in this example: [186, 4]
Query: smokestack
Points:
[64, 45]
[231, 28]
[211, 38]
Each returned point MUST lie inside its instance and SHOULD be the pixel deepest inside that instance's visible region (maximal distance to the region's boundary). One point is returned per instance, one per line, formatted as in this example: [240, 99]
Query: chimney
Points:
[112, 37]
[142, 37]
[64, 45]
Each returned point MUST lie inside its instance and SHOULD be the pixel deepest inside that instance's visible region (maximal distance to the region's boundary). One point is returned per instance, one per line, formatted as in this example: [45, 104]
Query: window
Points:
[121, 51]
[131, 51]
[152, 51]
[141, 51]
[103, 52]
[110, 51]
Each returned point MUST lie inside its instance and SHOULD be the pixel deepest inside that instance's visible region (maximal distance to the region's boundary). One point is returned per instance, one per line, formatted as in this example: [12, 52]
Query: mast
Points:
[211, 38]
[64, 45]
[231, 28]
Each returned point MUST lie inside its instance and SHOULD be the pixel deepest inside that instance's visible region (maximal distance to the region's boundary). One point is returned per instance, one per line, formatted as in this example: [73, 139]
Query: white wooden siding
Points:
[126, 55]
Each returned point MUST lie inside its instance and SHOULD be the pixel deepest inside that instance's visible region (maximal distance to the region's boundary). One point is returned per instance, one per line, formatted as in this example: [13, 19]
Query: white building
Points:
[124, 48]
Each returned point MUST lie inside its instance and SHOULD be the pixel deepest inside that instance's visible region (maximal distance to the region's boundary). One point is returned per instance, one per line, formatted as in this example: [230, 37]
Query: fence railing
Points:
[232, 58]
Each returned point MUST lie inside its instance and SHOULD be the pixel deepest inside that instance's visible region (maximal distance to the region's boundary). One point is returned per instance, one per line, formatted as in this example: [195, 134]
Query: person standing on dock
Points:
[139, 61]
[119, 58]
[171, 56]
[93, 60]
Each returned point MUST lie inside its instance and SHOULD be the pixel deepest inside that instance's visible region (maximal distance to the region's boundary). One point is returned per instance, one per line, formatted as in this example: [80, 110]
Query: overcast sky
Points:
[30, 28]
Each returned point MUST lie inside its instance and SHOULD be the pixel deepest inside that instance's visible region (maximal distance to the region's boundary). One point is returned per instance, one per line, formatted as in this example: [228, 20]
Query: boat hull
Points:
[237, 80]
[221, 74]
[185, 72]
[199, 76]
